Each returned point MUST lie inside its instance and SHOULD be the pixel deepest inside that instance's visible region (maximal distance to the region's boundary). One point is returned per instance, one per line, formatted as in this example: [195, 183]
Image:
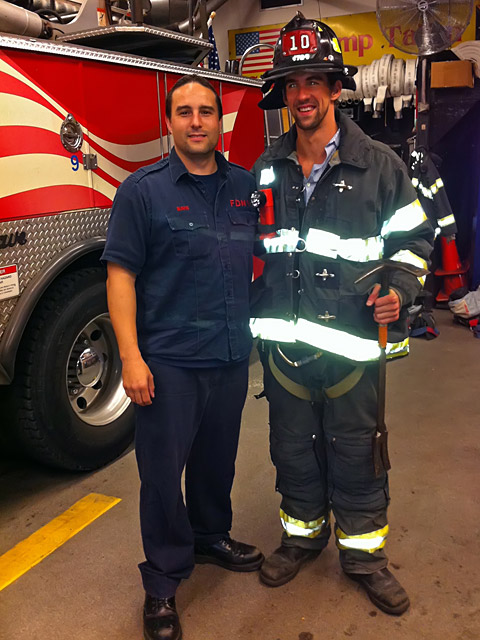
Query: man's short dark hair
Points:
[189, 80]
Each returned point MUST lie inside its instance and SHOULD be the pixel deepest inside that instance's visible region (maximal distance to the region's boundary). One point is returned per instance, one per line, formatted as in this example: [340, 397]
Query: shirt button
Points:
[308, 184]
[190, 224]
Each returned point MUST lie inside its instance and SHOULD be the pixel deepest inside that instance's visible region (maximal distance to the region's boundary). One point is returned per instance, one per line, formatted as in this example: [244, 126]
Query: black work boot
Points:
[160, 619]
[384, 590]
[229, 554]
[284, 563]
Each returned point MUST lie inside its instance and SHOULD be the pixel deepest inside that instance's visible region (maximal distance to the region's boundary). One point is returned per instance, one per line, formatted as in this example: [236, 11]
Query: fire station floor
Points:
[89, 588]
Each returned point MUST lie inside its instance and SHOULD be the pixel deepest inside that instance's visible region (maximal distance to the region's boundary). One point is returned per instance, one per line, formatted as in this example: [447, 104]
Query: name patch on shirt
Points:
[183, 208]
[238, 203]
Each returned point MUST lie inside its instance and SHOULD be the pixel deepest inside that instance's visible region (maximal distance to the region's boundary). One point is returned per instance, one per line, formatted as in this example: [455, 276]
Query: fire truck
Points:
[82, 106]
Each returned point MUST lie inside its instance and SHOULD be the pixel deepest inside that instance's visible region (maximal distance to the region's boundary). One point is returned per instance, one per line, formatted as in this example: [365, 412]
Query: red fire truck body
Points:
[74, 123]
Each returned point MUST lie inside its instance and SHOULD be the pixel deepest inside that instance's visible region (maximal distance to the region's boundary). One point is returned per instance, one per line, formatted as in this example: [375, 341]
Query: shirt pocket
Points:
[190, 235]
[242, 228]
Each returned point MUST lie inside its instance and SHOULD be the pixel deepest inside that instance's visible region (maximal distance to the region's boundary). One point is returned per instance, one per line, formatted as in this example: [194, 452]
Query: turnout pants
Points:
[322, 452]
[192, 423]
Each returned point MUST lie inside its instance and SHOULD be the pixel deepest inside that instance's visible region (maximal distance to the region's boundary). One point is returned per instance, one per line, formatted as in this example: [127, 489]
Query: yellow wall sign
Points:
[362, 39]
[360, 36]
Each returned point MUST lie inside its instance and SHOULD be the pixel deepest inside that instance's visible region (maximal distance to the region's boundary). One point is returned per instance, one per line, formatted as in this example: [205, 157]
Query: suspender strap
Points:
[313, 395]
[292, 387]
[347, 384]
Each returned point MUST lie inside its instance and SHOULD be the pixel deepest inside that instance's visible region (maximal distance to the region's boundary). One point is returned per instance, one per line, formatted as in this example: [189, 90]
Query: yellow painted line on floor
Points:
[42, 543]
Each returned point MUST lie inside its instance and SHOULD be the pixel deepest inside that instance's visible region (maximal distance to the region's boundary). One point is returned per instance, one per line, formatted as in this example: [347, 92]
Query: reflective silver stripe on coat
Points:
[285, 242]
[324, 243]
[267, 176]
[405, 219]
[330, 245]
[324, 338]
[428, 192]
[408, 257]
[446, 221]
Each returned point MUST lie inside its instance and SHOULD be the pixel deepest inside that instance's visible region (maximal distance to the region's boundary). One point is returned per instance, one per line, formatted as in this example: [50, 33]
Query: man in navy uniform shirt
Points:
[179, 253]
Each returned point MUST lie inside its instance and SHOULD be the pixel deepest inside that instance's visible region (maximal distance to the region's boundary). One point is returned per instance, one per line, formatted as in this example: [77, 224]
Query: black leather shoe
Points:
[229, 554]
[284, 563]
[160, 619]
[384, 590]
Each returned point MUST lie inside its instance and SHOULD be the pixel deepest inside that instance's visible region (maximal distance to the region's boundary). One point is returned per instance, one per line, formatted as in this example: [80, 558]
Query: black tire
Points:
[47, 418]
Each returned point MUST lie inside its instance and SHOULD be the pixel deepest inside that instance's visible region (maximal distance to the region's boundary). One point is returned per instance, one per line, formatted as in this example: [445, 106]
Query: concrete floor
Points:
[90, 589]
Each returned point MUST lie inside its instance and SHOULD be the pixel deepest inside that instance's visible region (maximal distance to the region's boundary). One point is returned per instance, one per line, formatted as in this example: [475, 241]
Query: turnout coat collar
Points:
[355, 146]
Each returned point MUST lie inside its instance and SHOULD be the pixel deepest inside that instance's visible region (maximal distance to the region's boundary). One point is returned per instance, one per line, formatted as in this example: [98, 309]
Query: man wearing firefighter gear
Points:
[337, 203]
[179, 253]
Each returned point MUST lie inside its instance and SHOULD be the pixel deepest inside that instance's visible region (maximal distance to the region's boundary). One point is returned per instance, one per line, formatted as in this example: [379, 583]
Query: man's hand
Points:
[138, 381]
[387, 308]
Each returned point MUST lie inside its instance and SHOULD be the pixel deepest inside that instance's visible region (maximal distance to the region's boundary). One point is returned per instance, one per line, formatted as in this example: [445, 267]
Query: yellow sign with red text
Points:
[362, 40]
[360, 36]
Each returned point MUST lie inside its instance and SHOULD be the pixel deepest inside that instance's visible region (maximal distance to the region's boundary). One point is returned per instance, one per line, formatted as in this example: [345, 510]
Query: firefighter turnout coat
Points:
[431, 192]
[363, 210]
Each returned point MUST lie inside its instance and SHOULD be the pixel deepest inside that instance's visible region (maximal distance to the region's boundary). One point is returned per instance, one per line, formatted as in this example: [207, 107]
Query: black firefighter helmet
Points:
[304, 45]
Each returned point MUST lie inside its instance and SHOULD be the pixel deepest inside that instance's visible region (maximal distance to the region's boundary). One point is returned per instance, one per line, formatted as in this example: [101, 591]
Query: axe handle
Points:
[380, 451]
[383, 328]
[382, 335]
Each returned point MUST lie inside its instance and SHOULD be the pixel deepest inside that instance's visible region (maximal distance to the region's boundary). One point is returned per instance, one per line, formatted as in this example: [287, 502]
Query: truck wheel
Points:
[69, 406]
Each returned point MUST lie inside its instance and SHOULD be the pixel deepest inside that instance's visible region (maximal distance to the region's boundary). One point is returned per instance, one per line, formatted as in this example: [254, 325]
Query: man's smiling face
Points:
[194, 121]
[309, 97]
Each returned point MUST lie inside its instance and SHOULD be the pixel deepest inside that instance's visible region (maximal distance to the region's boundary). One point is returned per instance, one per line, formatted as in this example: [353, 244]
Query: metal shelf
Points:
[144, 40]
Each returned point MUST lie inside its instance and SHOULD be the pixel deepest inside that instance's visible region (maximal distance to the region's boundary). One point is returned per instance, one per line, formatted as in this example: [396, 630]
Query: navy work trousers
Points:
[193, 423]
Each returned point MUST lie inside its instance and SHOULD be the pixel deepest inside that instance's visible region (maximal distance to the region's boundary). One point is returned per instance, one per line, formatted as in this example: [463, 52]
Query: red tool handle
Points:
[267, 212]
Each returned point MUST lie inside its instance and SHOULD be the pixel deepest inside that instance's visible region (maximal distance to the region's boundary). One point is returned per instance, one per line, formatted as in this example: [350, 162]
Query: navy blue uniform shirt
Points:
[192, 259]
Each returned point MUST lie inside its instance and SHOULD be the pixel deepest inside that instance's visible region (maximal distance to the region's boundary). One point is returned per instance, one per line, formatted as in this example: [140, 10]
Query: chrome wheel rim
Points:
[94, 374]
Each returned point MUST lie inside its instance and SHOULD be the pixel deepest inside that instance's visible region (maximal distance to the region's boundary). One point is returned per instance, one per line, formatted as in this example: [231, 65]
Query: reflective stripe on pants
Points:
[368, 542]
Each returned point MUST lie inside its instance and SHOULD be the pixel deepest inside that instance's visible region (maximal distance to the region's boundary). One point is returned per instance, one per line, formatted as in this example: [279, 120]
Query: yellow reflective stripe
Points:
[438, 184]
[368, 542]
[396, 349]
[295, 527]
[330, 245]
[446, 221]
[407, 257]
[426, 192]
[405, 219]
[286, 241]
